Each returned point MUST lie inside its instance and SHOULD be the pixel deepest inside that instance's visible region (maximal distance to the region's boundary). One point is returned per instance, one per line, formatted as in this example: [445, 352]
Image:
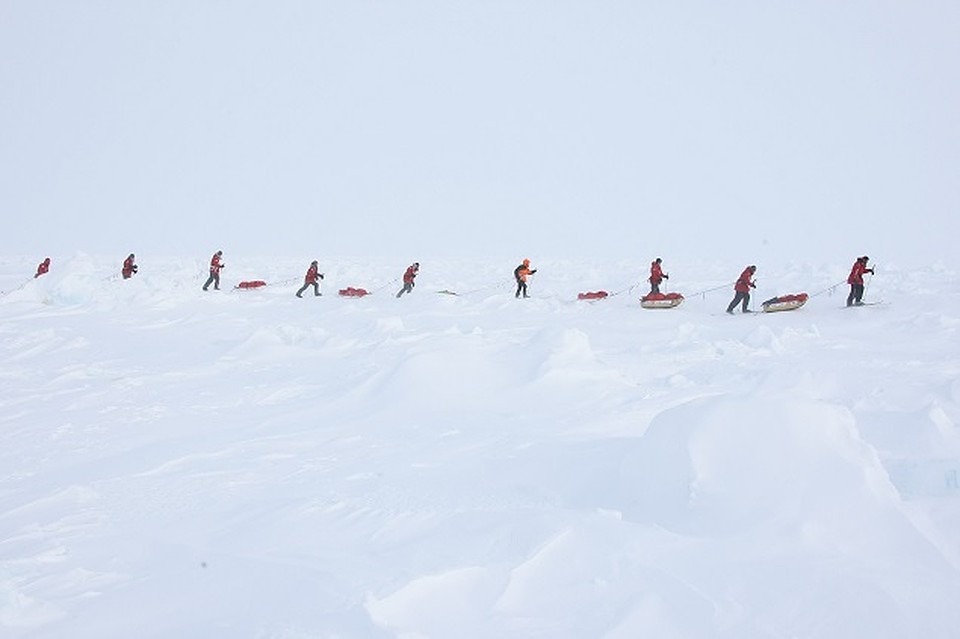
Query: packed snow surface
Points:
[180, 463]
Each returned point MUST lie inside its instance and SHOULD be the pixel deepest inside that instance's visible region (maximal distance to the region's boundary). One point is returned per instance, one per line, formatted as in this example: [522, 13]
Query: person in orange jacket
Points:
[408, 276]
[656, 276]
[855, 280]
[521, 273]
[42, 268]
[742, 288]
[129, 267]
[215, 266]
[311, 279]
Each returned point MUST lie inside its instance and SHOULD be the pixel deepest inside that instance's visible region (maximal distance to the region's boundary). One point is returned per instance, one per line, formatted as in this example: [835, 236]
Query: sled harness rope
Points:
[2, 293]
[625, 290]
[830, 289]
[703, 293]
[380, 288]
[477, 290]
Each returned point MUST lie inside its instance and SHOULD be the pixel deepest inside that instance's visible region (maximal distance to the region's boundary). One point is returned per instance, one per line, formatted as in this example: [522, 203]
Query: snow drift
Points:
[176, 462]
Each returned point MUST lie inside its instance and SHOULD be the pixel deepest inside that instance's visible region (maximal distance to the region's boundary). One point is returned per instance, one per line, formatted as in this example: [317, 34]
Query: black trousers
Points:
[521, 288]
[316, 288]
[213, 279]
[654, 288]
[745, 297]
[856, 294]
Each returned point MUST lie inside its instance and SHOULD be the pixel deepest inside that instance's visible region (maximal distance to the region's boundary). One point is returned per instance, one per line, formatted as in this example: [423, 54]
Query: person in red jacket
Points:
[656, 276]
[311, 279]
[855, 280]
[408, 276]
[42, 268]
[215, 266]
[742, 288]
[521, 274]
[129, 267]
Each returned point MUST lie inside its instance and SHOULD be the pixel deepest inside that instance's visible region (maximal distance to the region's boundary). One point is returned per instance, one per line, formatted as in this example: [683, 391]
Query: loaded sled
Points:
[661, 300]
[785, 303]
[592, 295]
[251, 284]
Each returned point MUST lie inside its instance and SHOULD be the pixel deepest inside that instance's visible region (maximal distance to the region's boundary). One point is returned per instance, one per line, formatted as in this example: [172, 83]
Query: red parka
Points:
[215, 264]
[656, 273]
[411, 273]
[744, 284]
[856, 273]
[313, 274]
[129, 267]
[42, 268]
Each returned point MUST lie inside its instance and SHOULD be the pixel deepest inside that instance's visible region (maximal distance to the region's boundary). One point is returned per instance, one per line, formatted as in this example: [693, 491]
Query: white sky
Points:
[757, 131]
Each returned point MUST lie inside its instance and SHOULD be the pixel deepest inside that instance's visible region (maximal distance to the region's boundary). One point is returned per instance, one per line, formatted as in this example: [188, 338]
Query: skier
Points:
[656, 276]
[408, 276]
[129, 267]
[742, 287]
[42, 268]
[311, 279]
[215, 266]
[521, 273]
[855, 280]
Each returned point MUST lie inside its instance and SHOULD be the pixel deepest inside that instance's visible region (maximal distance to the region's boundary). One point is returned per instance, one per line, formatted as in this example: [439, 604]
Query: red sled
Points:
[593, 295]
[785, 303]
[661, 300]
[353, 292]
[251, 284]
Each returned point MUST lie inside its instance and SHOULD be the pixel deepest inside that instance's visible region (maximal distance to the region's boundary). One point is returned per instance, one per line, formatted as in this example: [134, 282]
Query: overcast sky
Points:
[766, 130]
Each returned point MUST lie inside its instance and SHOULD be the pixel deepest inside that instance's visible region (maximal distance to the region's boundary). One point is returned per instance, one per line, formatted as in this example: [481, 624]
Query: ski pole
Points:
[867, 283]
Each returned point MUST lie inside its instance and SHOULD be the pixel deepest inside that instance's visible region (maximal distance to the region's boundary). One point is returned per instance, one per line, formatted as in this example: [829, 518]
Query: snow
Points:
[249, 464]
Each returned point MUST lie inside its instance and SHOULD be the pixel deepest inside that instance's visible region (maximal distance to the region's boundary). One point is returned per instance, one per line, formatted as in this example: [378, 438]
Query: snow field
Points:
[248, 464]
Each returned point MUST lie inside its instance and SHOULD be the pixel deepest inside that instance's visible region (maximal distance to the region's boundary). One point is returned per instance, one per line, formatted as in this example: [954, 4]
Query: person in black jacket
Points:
[521, 273]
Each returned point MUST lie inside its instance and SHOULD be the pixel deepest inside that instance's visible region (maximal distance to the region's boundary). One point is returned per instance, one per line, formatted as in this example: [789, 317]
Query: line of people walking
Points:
[522, 274]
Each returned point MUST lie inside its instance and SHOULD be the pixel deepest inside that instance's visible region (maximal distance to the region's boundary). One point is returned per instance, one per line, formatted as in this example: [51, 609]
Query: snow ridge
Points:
[250, 464]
